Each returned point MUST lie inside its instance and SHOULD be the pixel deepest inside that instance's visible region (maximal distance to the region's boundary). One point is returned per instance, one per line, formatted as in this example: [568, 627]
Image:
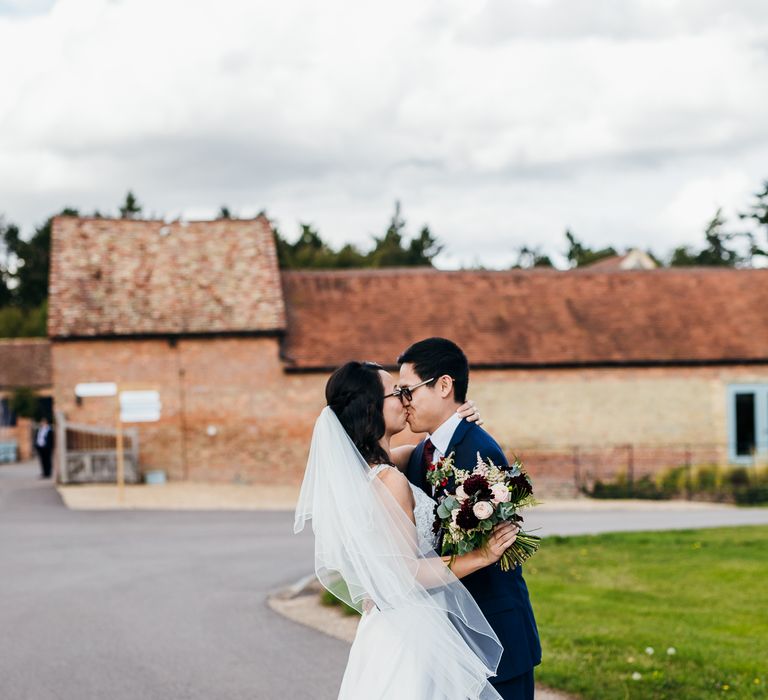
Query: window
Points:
[7, 416]
[748, 421]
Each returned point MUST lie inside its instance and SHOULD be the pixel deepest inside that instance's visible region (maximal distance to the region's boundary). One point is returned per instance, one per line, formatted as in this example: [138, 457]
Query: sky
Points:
[499, 123]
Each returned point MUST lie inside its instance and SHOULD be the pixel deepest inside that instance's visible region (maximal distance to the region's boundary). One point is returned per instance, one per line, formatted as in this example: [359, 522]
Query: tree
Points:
[580, 255]
[131, 207]
[11, 230]
[389, 251]
[424, 248]
[23, 323]
[224, 212]
[528, 258]
[311, 251]
[718, 250]
[759, 214]
[24, 402]
[29, 263]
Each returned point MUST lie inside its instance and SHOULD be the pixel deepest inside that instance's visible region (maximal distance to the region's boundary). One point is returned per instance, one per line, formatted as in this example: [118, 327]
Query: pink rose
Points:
[500, 493]
[483, 510]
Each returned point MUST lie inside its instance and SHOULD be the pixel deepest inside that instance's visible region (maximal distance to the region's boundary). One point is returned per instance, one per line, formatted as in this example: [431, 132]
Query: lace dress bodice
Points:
[423, 511]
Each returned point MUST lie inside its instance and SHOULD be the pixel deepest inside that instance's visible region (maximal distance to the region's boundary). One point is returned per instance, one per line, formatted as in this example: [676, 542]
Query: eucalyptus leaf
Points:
[451, 502]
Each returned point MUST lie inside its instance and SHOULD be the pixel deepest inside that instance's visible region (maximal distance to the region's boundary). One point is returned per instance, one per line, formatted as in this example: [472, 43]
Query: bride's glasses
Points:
[406, 392]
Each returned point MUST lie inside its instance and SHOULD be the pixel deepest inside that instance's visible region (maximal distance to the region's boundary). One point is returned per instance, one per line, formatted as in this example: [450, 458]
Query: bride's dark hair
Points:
[355, 394]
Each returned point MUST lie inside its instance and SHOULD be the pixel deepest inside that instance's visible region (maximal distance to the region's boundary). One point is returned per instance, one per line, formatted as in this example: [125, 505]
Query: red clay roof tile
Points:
[529, 317]
[113, 277]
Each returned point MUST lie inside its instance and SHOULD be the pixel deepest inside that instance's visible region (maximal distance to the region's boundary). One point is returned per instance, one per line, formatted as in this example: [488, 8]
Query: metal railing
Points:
[577, 467]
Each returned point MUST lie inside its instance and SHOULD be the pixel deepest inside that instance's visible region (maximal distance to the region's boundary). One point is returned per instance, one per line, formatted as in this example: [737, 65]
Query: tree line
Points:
[24, 263]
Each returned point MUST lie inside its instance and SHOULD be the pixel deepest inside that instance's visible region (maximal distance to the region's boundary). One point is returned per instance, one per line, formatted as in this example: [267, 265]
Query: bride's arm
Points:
[400, 456]
[504, 535]
[400, 489]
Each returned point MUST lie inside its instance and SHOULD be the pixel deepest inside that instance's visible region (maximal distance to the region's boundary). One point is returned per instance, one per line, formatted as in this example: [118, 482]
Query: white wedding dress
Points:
[424, 637]
[383, 663]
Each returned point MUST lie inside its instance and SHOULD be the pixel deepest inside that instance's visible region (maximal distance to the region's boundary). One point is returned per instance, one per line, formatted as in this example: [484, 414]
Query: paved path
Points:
[155, 605]
[583, 518]
[171, 605]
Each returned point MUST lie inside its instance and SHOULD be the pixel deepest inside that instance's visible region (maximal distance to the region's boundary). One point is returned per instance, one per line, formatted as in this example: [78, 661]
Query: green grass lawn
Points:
[601, 601]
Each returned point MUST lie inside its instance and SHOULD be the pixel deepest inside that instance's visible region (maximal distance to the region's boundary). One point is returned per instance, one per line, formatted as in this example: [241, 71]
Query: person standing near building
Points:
[44, 443]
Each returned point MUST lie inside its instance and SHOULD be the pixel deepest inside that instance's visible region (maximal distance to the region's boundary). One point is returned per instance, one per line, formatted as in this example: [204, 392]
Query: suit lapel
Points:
[416, 473]
[457, 437]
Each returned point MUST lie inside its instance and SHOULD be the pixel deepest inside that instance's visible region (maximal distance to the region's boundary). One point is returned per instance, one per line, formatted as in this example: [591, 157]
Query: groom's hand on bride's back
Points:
[468, 411]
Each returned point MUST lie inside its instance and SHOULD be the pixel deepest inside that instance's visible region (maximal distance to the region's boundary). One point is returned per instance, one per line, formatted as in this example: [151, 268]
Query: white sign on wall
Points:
[139, 406]
[89, 389]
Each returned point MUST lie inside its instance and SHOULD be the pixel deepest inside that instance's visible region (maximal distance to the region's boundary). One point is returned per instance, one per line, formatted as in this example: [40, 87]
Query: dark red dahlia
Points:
[476, 484]
[438, 523]
[466, 519]
[521, 484]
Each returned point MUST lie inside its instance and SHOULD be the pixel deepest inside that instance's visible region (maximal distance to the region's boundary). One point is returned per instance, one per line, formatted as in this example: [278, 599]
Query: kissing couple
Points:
[432, 627]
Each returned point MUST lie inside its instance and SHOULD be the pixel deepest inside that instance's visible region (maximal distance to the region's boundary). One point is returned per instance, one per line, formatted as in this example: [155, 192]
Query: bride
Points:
[421, 635]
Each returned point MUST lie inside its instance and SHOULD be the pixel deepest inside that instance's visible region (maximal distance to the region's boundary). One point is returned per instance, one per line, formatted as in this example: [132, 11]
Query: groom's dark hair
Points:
[435, 357]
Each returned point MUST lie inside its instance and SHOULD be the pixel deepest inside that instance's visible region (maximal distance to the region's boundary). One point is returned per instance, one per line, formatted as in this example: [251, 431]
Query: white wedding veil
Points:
[363, 536]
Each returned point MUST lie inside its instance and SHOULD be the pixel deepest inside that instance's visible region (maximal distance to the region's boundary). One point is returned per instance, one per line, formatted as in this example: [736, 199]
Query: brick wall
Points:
[261, 418]
[21, 434]
[581, 425]
[229, 412]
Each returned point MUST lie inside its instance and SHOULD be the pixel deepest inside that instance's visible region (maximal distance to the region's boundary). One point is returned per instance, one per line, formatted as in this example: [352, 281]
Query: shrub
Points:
[644, 487]
[327, 598]
[16, 322]
[743, 485]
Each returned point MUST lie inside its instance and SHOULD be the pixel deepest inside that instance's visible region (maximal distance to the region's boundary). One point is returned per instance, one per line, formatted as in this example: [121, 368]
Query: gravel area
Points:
[180, 495]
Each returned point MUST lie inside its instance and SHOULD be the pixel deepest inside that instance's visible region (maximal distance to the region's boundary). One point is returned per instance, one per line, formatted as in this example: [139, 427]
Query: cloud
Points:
[499, 124]
[20, 8]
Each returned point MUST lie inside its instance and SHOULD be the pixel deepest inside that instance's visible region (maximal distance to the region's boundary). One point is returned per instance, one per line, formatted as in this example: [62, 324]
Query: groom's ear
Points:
[444, 385]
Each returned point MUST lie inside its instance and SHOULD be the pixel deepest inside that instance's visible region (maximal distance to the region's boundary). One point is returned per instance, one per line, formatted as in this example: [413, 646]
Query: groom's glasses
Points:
[406, 392]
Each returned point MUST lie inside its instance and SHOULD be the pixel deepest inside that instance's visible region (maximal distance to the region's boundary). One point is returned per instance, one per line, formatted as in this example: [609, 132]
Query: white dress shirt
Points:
[42, 433]
[441, 438]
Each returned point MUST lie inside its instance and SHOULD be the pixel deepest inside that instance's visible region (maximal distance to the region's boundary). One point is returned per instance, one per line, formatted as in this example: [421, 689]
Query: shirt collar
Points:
[441, 438]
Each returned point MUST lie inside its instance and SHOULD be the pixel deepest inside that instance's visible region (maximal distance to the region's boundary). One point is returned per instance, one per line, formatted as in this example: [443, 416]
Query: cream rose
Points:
[500, 493]
[482, 510]
[460, 493]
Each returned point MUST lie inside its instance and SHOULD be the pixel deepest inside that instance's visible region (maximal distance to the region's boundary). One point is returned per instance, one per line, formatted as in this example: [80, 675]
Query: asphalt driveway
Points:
[171, 604]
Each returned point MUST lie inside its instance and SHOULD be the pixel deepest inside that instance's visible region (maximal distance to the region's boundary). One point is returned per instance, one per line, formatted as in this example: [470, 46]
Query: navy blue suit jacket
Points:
[502, 596]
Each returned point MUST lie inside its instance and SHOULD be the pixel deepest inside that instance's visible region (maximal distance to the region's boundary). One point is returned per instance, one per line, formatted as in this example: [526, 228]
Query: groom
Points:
[437, 373]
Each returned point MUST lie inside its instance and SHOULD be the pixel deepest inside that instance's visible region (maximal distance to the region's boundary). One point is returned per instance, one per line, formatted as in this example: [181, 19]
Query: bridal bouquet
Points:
[484, 497]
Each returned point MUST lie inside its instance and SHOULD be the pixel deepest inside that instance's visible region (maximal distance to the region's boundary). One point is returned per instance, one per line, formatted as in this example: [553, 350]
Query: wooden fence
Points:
[88, 454]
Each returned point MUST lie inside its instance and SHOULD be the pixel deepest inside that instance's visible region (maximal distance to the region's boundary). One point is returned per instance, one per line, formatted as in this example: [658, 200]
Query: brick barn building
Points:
[25, 363]
[583, 373]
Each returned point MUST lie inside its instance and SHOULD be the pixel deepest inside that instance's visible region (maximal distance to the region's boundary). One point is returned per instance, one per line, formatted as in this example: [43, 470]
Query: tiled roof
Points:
[25, 362]
[528, 318]
[113, 277]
